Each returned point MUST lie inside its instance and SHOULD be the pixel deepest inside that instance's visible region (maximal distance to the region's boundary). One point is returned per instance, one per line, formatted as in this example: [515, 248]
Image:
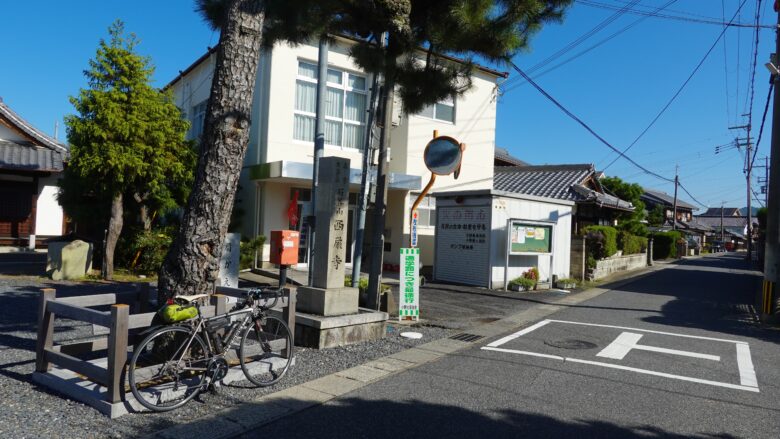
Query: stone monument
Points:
[328, 296]
[327, 312]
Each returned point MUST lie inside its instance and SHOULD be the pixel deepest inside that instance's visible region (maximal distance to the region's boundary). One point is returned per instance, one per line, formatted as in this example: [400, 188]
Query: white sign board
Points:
[409, 300]
[414, 229]
[228, 262]
[463, 244]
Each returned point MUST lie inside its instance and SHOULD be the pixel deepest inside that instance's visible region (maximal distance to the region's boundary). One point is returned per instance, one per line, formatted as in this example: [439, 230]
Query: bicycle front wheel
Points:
[167, 368]
[266, 351]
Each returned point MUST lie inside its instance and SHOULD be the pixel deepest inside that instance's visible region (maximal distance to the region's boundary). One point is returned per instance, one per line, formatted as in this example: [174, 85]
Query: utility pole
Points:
[319, 144]
[765, 180]
[746, 170]
[674, 207]
[722, 235]
[772, 249]
[380, 204]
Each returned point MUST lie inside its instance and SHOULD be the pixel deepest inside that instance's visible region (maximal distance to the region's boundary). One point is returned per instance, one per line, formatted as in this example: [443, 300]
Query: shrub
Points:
[566, 280]
[249, 247]
[665, 244]
[591, 262]
[524, 282]
[148, 249]
[631, 244]
[601, 241]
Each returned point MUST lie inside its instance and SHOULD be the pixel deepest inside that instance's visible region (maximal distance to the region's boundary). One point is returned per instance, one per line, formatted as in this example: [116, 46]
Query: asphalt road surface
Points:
[674, 354]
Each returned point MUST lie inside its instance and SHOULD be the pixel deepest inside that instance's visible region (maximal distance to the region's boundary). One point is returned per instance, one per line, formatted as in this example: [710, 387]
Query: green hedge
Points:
[631, 244]
[601, 241]
[665, 244]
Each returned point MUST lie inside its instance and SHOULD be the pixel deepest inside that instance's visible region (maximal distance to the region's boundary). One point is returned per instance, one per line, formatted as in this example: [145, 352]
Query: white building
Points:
[279, 158]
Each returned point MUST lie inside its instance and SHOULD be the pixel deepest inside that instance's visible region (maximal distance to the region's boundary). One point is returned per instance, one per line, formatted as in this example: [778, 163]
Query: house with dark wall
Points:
[30, 164]
[653, 198]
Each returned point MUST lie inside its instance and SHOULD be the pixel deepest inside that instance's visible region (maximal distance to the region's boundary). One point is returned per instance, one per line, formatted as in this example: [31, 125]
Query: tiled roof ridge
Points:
[546, 168]
[30, 130]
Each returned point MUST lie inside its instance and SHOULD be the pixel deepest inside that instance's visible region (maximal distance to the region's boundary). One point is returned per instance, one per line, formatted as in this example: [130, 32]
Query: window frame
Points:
[451, 102]
[200, 116]
[345, 88]
[427, 203]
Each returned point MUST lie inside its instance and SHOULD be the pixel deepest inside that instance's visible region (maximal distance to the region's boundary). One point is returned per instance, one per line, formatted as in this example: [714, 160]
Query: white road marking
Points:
[665, 375]
[627, 341]
[532, 354]
[520, 333]
[747, 374]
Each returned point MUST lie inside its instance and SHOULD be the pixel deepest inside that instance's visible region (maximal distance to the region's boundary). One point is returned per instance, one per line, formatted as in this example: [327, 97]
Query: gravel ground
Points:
[32, 411]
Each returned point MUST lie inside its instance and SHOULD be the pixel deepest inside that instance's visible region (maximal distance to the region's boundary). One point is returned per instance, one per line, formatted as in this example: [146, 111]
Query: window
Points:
[345, 106]
[198, 118]
[442, 110]
[426, 211]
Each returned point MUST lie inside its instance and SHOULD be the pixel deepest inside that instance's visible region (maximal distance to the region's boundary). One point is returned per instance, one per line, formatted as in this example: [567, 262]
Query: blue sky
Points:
[617, 88]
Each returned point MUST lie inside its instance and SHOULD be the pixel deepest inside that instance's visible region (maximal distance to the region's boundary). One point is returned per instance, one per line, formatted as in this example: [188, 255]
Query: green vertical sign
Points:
[409, 297]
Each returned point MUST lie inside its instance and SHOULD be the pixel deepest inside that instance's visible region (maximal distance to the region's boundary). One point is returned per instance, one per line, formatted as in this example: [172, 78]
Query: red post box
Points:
[284, 247]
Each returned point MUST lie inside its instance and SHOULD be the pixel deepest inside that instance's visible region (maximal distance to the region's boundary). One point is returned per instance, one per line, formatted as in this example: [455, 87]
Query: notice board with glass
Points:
[529, 238]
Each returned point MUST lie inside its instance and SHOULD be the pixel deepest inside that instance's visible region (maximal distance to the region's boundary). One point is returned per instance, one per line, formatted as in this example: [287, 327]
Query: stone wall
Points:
[578, 255]
[605, 267]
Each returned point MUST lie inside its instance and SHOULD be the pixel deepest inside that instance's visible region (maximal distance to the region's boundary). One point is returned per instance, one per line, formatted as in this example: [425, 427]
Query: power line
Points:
[763, 120]
[689, 194]
[583, 52]
[576, 42]
[753, 75]
[663, 110]
[583, 124]
[675, 17]
[725, 62]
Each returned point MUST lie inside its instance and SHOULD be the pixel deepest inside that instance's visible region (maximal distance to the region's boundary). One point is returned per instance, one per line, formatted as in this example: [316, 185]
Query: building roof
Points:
[657, 197]
[716, 211]
[503, 158]
[38, 152]
[563, 182]
[211, 50]
[728, 221]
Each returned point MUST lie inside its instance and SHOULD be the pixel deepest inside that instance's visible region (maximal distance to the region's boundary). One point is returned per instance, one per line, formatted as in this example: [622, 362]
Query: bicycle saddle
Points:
[192, 298]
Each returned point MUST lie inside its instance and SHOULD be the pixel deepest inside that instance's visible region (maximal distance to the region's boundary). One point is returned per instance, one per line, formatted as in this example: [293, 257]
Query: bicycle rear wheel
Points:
[165, 372]
[266, 351]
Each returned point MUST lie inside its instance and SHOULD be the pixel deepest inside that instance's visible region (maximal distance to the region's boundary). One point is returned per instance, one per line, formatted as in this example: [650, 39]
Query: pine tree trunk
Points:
[114, 229]
[191, 266]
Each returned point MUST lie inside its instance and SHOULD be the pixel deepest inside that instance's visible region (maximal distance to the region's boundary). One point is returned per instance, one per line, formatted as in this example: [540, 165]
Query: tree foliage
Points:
[126, 140]
[631, 192]
[657, 216]
[421, 33]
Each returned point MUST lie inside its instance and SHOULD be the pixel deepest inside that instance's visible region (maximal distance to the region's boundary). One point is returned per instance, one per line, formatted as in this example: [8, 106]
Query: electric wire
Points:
[582, 123]
[689, 194]
[675, 17]
[725, 62]
[676, 94]
[576, 42]
[763, 120]
[583, 52]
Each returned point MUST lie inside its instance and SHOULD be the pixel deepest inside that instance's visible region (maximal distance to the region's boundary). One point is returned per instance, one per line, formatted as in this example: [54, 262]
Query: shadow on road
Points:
[390, 419]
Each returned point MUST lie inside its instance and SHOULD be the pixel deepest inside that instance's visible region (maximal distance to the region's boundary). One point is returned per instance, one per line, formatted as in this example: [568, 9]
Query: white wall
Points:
[505, 208]
[48, 215]
[9, 134]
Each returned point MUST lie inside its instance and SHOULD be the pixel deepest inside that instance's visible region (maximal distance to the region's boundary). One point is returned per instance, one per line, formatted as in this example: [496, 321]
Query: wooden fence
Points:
[122, 327]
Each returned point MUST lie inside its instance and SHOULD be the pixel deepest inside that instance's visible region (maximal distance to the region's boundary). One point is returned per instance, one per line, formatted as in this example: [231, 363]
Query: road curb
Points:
[234, 421]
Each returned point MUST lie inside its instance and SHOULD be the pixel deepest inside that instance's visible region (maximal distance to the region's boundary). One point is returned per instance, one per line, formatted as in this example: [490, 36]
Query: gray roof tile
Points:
[552, 181]
[27, 157]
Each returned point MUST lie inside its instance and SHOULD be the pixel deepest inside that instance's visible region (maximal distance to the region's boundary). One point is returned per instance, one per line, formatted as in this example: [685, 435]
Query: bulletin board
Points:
[529, 238]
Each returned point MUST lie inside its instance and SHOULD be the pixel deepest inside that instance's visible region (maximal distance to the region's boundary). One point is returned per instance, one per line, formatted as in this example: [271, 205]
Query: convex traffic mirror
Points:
[443, 155]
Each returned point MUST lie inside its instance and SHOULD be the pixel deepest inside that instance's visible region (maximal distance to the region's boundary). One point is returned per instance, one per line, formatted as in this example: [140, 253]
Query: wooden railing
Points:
[120, 323]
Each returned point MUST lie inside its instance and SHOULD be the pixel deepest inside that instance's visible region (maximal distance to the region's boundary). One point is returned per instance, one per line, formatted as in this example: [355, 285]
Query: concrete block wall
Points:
[605, 267]
[578, 255]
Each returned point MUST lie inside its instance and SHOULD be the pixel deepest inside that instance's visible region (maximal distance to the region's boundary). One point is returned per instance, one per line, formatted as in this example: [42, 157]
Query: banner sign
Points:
[409, 297]
[414, 229]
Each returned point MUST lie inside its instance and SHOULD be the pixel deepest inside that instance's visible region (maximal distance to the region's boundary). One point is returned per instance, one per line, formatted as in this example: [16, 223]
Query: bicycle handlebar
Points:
[265, 294]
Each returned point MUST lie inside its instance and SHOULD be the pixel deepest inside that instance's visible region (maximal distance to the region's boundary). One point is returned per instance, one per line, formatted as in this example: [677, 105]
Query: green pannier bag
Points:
[176, 313]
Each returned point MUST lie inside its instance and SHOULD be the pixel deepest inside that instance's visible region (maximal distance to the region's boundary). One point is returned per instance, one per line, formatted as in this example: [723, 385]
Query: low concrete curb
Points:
[234, 421]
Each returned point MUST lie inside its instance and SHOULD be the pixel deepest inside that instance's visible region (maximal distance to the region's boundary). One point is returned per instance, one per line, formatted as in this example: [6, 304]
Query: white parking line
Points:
[627, 341]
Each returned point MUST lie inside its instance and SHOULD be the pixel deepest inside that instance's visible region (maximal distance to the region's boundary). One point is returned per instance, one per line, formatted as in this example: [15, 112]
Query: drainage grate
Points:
[467, 337]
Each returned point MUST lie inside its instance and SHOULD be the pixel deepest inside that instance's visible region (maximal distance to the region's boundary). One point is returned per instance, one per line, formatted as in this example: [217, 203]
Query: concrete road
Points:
[674, 354]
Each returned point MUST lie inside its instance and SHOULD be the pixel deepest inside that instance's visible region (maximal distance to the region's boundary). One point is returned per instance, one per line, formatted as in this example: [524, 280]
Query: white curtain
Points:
[334, 102]
[303, 128]
[307, 70]
[332, 132]
[355, 107]
[306, 97]
[353, 136]
[334, 76]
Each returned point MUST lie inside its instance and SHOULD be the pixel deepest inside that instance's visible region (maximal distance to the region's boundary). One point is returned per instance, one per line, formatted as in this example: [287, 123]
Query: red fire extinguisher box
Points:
[284, 247]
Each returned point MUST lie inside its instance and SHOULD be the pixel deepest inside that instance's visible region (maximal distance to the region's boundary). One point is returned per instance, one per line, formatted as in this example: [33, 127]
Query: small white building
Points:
[472, 237]
[278, 162]
[30, 164]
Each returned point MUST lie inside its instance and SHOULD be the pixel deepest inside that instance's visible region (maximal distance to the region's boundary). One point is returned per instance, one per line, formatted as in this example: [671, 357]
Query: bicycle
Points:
[175, 363]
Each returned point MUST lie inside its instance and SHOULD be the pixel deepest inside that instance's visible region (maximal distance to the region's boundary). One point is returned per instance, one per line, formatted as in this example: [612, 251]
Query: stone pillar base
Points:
[327, 302]
[322, 332]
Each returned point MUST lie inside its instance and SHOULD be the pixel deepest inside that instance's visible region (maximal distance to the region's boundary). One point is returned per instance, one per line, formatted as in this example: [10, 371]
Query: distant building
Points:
[656, 198]
[722, 211]
[30, 164]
